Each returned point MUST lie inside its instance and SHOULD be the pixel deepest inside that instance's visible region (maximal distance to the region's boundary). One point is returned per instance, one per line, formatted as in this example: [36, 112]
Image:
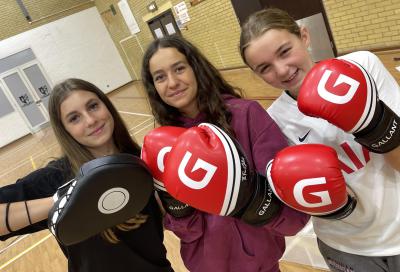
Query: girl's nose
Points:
[172, 81]
[90, 120]
[281, 69]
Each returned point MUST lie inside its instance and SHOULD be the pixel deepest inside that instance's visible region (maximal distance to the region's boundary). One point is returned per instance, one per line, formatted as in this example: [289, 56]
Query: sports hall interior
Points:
[98, 41]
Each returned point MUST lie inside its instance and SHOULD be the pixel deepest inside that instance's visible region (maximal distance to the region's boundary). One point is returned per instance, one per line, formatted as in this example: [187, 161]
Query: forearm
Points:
[38, 210]
[393, 158]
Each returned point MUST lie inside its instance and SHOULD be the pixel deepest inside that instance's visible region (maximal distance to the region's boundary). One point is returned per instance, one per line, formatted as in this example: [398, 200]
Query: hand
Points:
[344, 94]
[207, 170]
[308, 178]
[156, 146]
[63, 189]
[174, 207]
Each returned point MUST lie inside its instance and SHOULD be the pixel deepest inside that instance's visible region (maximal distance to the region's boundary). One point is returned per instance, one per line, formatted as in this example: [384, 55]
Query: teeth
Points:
[292, 77]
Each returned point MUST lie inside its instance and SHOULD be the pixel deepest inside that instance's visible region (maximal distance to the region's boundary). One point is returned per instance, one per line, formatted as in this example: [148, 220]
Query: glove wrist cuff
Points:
[343, 212]
[385, 134]
[264, 206]
[174, 207]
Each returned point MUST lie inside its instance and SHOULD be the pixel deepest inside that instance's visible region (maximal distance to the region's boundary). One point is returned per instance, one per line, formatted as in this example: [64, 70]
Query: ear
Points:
[305, 36]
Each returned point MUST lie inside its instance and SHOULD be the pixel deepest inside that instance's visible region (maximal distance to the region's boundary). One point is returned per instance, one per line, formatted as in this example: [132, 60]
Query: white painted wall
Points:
[12, 127]
[75, 46]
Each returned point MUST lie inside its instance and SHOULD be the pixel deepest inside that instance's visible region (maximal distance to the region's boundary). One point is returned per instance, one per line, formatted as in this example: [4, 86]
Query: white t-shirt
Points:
[373, 229]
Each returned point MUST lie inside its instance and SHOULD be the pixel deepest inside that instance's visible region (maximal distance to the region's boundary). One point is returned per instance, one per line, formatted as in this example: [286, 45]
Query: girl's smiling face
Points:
[280, 58]
[86, 118]
[175, 80]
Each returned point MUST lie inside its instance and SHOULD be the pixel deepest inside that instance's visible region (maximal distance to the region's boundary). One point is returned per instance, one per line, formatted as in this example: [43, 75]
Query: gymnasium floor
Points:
[39, 252]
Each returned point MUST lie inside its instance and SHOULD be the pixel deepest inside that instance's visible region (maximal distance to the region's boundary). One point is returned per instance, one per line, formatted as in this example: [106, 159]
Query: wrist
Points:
[173, 206]
[39, 209]
[343, 212]
[264, 205]
[382, 135]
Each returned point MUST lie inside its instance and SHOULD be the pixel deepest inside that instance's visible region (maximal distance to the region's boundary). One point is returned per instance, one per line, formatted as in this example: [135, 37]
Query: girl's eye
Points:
[158, 78]
[264, 69]
[93, 106]
[285, 51]
[180, 69]
[73, 119]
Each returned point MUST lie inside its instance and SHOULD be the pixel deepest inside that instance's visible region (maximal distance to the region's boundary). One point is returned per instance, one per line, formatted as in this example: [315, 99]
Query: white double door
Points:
[28, 90]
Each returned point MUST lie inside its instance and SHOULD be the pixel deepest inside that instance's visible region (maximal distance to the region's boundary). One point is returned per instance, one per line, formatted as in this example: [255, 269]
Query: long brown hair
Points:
[77, 154]
[261, 21]
[211, 85]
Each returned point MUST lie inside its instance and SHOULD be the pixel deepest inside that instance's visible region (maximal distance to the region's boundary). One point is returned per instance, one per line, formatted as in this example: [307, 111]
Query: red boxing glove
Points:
[344, 94]
[156, 146]
[207, 169]
[308, 178]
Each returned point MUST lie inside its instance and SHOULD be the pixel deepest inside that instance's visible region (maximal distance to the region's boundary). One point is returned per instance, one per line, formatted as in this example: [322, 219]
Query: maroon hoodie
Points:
[226, 244]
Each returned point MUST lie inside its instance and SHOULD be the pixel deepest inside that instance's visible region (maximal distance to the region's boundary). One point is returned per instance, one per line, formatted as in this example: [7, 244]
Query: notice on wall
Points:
[181, 11]
[170, 29]
[128, 16]
[158, 32]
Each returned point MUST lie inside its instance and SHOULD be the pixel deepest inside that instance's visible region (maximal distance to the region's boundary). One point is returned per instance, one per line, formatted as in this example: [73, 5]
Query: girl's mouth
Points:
[293, 76]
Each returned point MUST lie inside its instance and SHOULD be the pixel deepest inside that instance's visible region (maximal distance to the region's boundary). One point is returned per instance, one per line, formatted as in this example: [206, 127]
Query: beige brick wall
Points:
[130, 47]
[213, 28]
[13, 22]
[364, 24]
[355, 24]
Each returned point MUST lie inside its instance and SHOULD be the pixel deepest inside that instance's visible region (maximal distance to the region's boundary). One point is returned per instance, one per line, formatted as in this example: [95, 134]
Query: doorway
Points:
[30, 102]
[309, 13]
[163, 25]
[25, 89]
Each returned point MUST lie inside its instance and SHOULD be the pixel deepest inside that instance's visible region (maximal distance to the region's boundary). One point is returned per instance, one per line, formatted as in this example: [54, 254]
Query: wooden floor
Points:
[39, 252]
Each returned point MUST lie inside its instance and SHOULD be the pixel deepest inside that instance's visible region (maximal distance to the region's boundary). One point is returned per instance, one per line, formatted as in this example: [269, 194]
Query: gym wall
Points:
[13, 22]
[213, 27]
[355, 24]
[364, 24]
[77, 45]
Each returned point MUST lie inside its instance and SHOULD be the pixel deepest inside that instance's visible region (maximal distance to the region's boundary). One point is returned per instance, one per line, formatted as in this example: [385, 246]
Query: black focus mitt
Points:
[106, 192]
